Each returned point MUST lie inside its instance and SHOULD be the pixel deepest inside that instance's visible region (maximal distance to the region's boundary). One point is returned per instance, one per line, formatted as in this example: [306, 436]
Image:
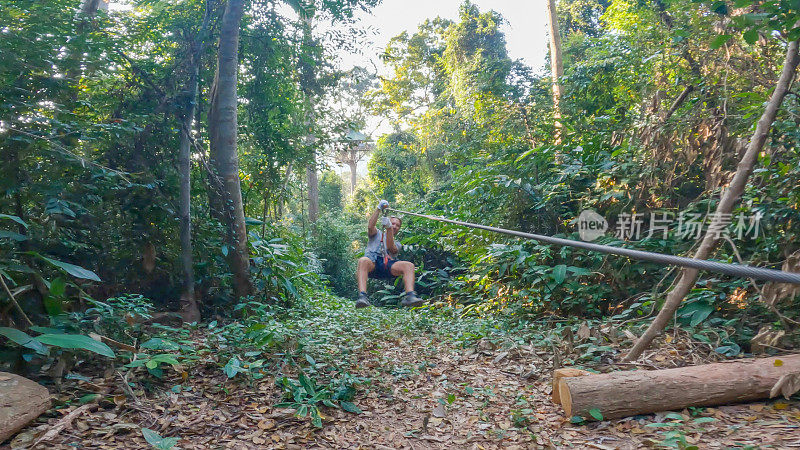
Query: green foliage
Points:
[580, 17]
[306, 397]
[59, 340]
[336, 244]
[596, 414]
[481, 142]
[92, 110]
[158, 442]
[21, 338]
[396, 170]
[475, 58]
[76, 341]
[282, 269]
[331, 191]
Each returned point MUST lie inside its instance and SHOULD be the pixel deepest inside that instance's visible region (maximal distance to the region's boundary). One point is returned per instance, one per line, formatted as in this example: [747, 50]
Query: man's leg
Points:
[405, 269]
[365, 266]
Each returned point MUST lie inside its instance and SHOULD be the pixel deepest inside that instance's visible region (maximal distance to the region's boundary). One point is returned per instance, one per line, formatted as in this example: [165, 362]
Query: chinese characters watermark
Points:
[666, 224]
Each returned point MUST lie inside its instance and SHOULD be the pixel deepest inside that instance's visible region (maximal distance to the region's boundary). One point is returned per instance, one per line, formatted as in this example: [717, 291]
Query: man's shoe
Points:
[411, 300]
[363, 300]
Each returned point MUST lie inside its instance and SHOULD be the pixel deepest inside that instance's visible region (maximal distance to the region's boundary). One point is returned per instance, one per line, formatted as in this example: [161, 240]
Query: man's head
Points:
[396, 223]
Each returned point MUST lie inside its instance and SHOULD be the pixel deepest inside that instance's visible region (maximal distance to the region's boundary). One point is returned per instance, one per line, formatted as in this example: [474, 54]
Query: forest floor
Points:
[421, 381]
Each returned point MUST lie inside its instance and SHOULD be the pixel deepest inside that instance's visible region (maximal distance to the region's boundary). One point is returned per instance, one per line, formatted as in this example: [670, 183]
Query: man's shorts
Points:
[382, 270]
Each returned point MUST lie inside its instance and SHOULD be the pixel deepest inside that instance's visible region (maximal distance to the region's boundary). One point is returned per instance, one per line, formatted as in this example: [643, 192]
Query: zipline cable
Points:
[738, 270]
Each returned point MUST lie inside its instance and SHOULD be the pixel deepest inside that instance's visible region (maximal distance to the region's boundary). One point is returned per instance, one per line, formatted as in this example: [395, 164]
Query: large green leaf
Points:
[22, 338]
[719, 41]
[233, 367]
[750, 36]
[14, 218]
[160, 344]
[76, 341]
[72, 269]
[47, 330]
[350, 407]
[157, 441]
[697, 311]
[5, 234]
[559, 273]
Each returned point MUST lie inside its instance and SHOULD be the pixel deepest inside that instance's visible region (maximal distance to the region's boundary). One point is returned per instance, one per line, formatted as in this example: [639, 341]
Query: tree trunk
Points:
[307, 84]
[222, 127]
[622, 394]
[729, 198]
[190, 311]
[313, 191]
[284, 189]
[556, 65]
[353, 166]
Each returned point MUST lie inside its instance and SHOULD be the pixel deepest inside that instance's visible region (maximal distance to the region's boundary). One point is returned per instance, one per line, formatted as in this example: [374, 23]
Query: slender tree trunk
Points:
[284, 187]
[556, 65]
[190, 310]
[222, 126]
[353, 166]
[732, 194]
[307, 82]
[313, 191]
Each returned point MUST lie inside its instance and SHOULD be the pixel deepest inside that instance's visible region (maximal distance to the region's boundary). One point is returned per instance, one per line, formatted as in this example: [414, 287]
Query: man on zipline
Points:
[380, 258]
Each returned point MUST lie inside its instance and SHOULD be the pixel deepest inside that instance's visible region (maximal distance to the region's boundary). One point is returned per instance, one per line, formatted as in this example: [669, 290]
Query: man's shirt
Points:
[375, 248]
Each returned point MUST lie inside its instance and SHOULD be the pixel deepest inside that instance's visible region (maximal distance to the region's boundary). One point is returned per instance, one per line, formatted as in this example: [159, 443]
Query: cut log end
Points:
[566, 396]
[564, 372]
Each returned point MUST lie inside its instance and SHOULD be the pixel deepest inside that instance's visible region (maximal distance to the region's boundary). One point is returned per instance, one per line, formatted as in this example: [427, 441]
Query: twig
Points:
[109, 341]
[791, 352]
[127, 388]
[14, 301]
[63, 423]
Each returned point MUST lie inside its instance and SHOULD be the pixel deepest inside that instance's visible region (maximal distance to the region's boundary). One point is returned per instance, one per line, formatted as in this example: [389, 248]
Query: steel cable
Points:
[739, 270]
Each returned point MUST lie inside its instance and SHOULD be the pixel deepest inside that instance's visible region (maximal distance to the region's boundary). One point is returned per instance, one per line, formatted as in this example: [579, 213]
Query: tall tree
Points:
[308, 85]
[556, 65]
[222, 128]
[475, 58]
[189, 307]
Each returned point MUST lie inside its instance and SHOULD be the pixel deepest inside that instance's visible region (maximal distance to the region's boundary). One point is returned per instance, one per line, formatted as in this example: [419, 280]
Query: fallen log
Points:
[622, 394]
[21, 401]
[564, 372]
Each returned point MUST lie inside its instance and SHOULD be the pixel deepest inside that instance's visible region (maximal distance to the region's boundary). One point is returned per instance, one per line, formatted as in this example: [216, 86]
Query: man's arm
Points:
[373, 219]
[390, 245]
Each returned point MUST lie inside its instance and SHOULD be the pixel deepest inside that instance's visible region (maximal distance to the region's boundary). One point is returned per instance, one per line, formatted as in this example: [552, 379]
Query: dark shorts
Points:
[382, 270]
